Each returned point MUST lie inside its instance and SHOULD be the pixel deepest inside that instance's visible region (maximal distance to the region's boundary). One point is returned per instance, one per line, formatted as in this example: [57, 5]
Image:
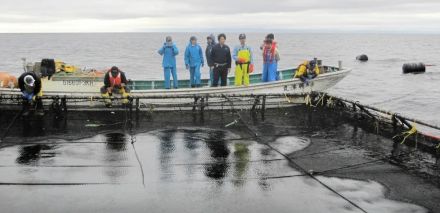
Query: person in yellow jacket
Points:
[244, 62]
[307, 71]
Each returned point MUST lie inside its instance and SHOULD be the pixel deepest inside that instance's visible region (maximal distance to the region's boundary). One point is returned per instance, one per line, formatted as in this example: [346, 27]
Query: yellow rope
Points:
[408, 133]
[287, 98]
[321, 100]
[308, 101]
[438, 147]
[330, 102]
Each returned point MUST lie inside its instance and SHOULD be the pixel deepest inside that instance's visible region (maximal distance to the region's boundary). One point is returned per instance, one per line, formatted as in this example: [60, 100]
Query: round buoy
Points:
[414, 68]
[362, 57]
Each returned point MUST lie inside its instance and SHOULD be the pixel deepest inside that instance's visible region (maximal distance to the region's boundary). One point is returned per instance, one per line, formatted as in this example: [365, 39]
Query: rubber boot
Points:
[107, 100]
[125, 97]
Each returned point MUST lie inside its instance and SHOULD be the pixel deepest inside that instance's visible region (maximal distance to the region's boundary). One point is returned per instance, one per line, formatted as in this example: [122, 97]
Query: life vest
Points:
[269, 52]
[115, 81]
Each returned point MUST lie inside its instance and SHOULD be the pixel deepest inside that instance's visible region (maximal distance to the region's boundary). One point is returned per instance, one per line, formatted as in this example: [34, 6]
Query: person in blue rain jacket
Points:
[194, 61]
[169, 51]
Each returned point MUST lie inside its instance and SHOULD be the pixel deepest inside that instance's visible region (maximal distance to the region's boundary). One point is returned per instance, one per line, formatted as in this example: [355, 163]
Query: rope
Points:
[288, 99]
[365, 163]
[309, 102]
[406, 134]
[133, 140]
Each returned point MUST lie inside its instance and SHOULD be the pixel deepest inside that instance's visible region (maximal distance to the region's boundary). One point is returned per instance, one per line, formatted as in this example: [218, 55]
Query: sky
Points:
[29, 16]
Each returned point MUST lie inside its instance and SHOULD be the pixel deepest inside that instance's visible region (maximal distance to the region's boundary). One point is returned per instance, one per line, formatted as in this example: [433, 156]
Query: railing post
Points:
[264, 104]
[137, 104]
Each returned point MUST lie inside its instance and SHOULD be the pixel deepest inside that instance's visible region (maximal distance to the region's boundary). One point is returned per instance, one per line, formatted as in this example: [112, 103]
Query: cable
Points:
[133, 140]
[364, 163]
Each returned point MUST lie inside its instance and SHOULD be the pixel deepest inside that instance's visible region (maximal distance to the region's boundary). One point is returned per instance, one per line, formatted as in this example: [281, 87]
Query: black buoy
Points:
[362, 57]
[414, 68]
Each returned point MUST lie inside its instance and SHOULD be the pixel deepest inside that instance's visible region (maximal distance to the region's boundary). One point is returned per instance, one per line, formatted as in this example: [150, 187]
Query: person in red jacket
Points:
[115, 82]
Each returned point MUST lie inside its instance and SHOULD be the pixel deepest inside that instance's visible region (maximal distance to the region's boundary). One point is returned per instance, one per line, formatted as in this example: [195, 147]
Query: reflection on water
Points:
[29, 155]
[116, 141]
[167, 148]
[116, 144]
[219, 153]
[242, 157]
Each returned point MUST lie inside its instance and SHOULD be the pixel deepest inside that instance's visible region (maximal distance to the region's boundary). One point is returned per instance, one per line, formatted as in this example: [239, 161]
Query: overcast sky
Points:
[223, 15]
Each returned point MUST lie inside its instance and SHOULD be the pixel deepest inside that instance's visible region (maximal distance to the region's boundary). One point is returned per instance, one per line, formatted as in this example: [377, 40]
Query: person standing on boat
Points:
[169, 51]
[244, 63]
[115, 82]
[210, 44]
[271, 57]
[31, 89]
[221, 61]
[194, 61]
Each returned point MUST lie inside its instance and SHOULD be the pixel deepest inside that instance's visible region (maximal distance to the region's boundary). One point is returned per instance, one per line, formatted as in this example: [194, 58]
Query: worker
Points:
[169, 51]
[221, 60]
[244, 62]
[194, 61]
[271, 57]
[115, 82]
[210, 44]
[31, 89]
[307, 71]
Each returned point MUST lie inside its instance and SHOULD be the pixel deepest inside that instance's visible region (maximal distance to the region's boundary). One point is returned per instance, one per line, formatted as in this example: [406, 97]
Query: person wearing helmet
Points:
[115, 82]
[30, 86]
[210, 43]
[169, 51]
[244, 62]
[194, 61]
[307, 70]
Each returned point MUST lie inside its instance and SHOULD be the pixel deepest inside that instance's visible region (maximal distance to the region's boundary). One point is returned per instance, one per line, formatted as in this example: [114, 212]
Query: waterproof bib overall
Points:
[242, 68]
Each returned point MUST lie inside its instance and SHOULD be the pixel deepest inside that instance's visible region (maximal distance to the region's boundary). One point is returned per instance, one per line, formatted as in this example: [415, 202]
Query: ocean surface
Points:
[378, 82]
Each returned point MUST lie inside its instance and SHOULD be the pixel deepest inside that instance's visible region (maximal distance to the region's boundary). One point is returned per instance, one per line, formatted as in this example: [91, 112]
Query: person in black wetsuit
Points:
[221, 60]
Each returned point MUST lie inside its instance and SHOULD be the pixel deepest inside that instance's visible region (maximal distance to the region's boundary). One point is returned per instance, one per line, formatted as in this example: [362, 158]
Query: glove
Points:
[187, 66]
[251, 68]
[203, 64]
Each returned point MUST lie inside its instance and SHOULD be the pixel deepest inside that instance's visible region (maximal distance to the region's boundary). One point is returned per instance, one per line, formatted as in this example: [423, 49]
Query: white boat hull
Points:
[184, 98]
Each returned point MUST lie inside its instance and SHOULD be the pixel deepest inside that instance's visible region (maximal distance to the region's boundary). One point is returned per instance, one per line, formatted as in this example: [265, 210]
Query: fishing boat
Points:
[85, 84]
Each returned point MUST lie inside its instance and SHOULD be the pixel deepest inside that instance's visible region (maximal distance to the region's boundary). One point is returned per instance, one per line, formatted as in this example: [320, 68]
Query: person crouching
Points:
[30, 86]
[307, 71]
[115, 82]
